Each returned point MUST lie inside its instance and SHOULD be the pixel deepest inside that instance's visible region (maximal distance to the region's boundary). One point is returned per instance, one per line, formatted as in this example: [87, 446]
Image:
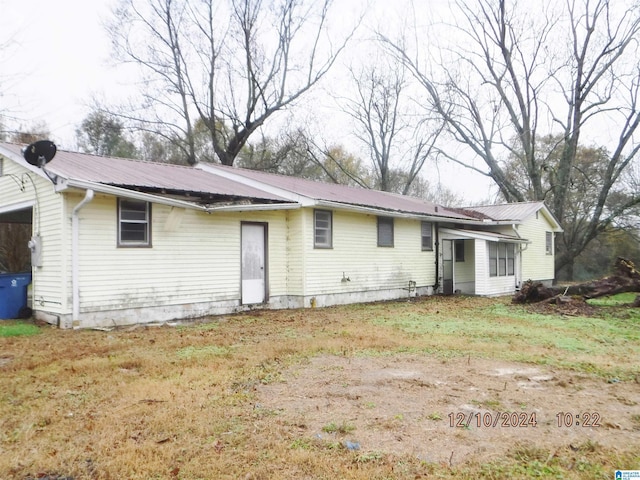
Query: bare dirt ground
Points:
[407, 404]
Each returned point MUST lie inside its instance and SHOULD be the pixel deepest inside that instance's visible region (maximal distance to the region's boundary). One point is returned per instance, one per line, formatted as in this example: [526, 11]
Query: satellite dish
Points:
[40, 153]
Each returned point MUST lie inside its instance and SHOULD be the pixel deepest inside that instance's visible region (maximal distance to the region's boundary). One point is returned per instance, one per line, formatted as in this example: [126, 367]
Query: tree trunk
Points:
[625, 279]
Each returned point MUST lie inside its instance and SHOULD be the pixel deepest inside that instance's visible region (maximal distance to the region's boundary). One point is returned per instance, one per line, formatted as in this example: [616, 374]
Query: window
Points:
[549, 243]
[502, 259]
[493, 259]
[459, 250]
[427, 236]
[322, 229]
[511, 262]
[385, 232]
[134, 221]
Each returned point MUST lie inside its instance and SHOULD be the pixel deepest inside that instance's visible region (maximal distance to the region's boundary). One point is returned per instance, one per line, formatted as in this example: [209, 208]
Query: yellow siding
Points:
[296, 223]
[49, 293]
[355, 255]
[199, 261]
[536, 263]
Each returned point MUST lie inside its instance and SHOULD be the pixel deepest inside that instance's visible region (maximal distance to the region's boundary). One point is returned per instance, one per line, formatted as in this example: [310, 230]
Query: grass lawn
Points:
[227, 398]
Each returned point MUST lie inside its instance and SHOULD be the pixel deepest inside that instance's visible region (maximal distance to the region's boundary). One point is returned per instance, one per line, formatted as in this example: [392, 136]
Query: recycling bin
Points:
[13, 294]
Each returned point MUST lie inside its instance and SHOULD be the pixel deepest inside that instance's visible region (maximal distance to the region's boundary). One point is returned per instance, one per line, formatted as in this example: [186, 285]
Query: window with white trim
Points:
[501, 259]
[322, 229]
[427, 235]
[134, 223]
[385, 231]
[549, 243]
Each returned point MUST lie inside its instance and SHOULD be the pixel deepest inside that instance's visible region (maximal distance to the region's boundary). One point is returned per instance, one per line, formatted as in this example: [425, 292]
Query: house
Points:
[118, 241]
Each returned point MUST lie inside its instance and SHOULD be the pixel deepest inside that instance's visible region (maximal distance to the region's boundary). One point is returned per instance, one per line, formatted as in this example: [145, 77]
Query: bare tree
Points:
[230, 64]
[101, 134]
[507, 79]
[382, 110]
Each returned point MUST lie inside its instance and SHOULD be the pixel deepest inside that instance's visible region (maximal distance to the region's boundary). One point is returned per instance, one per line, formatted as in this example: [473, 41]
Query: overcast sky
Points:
[56, 57]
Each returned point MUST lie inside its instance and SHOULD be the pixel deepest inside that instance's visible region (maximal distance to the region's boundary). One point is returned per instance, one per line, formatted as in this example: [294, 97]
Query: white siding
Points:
[464, 272]
[485, 284]
[536, 263]
[355, 256]
[49, 292]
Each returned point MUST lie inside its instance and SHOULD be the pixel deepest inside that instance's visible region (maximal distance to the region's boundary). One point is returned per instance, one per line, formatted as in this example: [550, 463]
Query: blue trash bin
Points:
[13, 294]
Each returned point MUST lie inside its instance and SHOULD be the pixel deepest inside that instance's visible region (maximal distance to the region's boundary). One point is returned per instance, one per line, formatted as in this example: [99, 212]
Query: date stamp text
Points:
[520, 419]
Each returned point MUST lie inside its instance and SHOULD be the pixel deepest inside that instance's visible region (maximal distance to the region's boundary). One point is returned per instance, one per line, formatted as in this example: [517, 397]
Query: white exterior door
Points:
[253, 263]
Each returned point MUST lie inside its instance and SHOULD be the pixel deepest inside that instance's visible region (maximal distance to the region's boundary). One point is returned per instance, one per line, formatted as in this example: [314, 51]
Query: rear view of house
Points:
[124, 241]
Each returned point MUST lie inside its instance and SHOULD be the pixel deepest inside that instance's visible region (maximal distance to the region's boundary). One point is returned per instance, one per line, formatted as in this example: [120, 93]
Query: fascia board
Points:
[397, 214]
[447, 233]
[69, 184]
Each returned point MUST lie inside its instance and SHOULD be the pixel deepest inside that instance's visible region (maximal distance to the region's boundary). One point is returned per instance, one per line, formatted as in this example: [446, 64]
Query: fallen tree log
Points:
[625, 279]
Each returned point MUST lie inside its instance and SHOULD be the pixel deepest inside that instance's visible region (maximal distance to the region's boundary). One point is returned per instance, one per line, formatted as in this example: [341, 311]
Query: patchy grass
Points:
[614, 300]
[180, 403]
[11, 328]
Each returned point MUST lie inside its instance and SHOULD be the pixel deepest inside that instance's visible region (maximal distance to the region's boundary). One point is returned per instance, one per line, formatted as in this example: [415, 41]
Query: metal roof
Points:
[216, 183]
[147, 176]
[518, 212]
[510, 211]
[332, 192]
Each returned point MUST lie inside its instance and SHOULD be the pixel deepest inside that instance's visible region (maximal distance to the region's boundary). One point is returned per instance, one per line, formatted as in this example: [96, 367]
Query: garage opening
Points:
[16, 227]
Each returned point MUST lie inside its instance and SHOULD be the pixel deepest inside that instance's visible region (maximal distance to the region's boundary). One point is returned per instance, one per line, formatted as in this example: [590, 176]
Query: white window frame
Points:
[549, 243]
[502, 259]
[320, 230]
[122, 219]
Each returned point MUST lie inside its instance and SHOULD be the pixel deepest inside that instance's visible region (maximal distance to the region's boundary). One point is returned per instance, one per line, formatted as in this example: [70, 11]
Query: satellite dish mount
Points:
[40, 153]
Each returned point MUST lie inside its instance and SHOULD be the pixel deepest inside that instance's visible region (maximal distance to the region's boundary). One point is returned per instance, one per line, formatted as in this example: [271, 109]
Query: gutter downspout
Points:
[75, 258]
[521, 248]
[436, 287]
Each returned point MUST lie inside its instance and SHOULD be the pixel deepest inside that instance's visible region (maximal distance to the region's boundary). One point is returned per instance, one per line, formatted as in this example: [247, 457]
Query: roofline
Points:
[552, 219]
[541, 206]
[482, 236]
[69, 184]
[306, 201]
[65, 185]
[395, 213]
[303, 200]
[18, 159]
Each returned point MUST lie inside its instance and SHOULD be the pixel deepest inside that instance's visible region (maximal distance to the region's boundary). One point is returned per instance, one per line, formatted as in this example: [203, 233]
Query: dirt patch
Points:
[450, 411]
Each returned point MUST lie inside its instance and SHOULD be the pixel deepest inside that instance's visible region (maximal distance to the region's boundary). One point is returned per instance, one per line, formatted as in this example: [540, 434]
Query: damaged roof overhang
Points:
[191, 200]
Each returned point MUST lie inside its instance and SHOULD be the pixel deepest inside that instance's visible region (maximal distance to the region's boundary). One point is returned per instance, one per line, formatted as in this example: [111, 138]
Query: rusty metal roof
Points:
[147, 176]
[211, 183]
[332, 192]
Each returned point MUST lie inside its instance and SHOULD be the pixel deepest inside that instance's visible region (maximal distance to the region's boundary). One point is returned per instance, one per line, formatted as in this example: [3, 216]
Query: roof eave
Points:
[398, 214]
[483, 236]
[71, 184]
[65, 185]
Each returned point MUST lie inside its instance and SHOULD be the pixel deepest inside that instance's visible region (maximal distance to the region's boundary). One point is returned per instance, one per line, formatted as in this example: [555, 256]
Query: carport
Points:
[15, 231]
